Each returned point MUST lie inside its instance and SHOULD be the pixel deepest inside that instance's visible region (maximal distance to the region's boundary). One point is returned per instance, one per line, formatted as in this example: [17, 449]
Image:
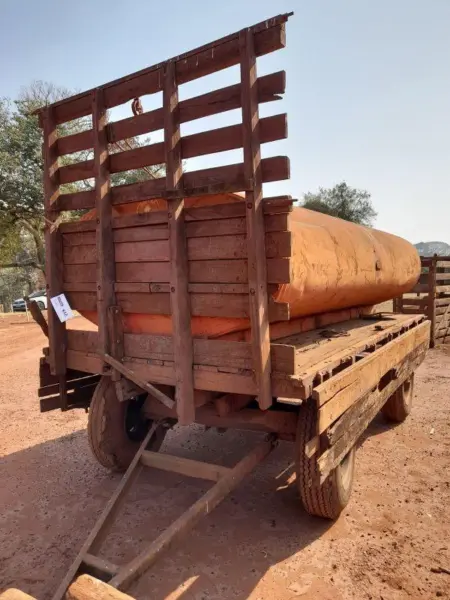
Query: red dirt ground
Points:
[258, 543]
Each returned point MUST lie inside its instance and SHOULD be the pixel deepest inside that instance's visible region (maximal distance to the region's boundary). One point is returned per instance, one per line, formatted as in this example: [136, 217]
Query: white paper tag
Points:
[62, 308]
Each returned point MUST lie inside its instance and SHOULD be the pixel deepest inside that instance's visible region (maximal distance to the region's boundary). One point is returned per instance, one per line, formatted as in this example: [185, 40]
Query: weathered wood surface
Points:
[229, 98]
[53, 243]
[14, 594]
[86, 587]
[191, 517]
[229, 178]
[183, 466]
[336, 395]
[322, 350]
[344, 434]
[208, 142]
[220, 353]
[218, 55]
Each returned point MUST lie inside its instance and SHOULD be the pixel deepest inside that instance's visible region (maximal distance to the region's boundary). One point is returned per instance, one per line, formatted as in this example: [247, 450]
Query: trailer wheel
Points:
[399, 405]
[116, 429]
[329, 499]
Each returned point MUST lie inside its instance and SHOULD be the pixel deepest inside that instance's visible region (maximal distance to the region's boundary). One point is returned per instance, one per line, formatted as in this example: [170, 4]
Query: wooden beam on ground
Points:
[86, 587]
[54, 252]
[257, 269]
[190, 518]
[179, 295]
[183, 466]
[14, 594]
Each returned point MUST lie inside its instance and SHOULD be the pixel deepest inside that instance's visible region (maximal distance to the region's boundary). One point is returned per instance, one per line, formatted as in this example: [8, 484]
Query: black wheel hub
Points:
[136, 425]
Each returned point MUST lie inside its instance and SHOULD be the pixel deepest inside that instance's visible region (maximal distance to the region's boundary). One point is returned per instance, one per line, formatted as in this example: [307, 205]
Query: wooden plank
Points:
[87, 587]
[346, 432]
[217, 101]
[257, 269]
[104, 240]
[183, 466]
[103, 524]
[229, 178]
[280, 205]
[53, 244]
[189, 519]
[132, 376]
[443, 289]
[431, 309]
[205, 272]
[198, 144]
[221, 353]
[337, 394]
[37, 315]
[180, 300]
[220, 54]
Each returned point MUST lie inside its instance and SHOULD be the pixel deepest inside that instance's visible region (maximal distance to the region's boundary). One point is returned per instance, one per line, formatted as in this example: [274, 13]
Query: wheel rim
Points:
[408, 391]
[136, 425]
[345, 470]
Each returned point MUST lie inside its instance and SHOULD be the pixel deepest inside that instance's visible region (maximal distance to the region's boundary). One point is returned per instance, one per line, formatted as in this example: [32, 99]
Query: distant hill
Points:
[431, 248]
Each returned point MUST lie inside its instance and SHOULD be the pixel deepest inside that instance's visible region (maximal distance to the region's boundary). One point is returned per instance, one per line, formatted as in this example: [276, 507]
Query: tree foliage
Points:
[21, 169]
[344, 202]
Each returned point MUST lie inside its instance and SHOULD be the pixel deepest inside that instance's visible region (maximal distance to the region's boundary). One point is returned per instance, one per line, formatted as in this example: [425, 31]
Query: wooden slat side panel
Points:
[230, 178]
[200, 271]
[278, 245]
[211, 58]
[206, 352]
[337, 394]
[217, 101]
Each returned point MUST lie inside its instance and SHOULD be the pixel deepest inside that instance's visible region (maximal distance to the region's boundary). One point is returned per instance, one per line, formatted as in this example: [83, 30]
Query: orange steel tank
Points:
[335, 264]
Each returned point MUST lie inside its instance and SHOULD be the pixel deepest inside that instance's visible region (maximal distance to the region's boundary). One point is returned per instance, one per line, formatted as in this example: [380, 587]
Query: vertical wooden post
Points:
[179, 296]
[432, 300]
[104, 233]
[257, 276]
[54, 252]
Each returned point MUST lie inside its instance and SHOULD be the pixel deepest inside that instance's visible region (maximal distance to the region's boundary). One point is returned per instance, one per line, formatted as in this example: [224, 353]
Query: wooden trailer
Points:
[431, 297]
[315, 381]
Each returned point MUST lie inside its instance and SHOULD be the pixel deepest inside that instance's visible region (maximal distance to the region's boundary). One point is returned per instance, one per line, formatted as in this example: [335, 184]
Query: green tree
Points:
[343, 202]
[21, 168]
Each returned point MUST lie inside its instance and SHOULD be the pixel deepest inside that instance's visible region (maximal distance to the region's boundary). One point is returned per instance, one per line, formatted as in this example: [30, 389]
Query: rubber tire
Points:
[41, 305]
[107, 435]
[329, 499]
[399, 405]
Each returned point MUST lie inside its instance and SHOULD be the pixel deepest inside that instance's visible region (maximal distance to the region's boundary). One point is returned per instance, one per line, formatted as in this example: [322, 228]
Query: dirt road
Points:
[258, 544]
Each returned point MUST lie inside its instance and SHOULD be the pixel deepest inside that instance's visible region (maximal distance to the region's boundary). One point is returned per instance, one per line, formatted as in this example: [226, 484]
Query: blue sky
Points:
[368, 84]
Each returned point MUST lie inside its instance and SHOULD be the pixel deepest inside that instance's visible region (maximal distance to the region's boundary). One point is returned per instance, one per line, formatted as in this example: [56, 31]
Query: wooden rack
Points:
[431, 297]
[154, 262]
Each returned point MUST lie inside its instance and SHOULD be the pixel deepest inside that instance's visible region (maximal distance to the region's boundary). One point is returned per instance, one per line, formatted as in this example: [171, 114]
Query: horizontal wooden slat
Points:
[213, 57]
[278, 245]
[229, 178]
[217, 101]
[421, 288]
[158, 303]
[184, 466]
[214, 271]
[219, 353]
[443, 289]
[279, 205]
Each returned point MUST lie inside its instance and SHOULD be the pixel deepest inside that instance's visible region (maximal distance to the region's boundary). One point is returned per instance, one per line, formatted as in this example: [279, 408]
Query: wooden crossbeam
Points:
[257, 269]
[179, 295]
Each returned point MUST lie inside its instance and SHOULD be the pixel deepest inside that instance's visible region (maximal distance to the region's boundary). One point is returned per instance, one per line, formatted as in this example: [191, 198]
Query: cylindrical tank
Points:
[335, 264]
